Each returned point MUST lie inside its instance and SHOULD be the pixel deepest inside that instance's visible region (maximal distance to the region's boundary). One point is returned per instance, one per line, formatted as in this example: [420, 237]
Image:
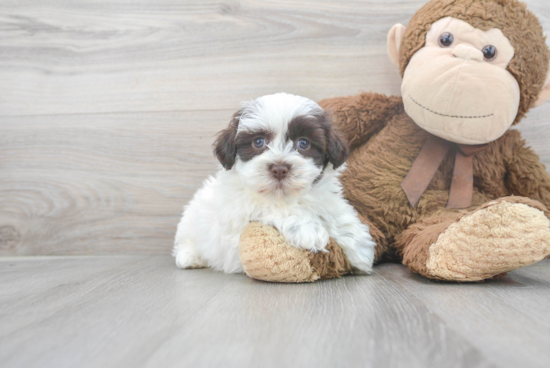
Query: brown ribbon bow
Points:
[428, 161]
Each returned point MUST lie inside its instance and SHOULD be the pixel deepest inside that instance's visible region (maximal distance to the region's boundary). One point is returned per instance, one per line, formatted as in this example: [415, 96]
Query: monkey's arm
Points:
[525, 175]
[359, 117]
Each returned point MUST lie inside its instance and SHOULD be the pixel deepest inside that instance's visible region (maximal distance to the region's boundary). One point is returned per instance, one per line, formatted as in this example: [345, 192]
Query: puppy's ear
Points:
[224, 146]
[337, 148]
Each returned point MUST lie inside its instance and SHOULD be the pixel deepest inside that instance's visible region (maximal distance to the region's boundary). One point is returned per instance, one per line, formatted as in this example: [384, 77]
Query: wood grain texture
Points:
[89, 57]
[96, 184]
[92, 56]
[108, 108]
[140, 311]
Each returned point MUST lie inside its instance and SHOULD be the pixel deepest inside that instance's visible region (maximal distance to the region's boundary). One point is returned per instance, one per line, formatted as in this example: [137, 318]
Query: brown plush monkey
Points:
[445, 186]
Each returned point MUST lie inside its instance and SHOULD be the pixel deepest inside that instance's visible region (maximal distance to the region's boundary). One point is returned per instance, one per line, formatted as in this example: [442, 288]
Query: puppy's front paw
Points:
[310, 236]
[357, 245]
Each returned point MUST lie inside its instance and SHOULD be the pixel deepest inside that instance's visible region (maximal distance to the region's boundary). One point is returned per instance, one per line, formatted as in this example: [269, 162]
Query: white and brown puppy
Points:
[281, 160]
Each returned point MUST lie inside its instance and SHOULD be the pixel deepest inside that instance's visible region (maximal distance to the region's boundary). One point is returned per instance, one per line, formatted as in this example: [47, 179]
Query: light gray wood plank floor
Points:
[140, 311]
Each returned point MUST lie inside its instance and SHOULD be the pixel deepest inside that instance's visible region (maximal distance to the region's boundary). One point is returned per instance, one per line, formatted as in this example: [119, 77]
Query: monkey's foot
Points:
[499, 237]
[265, 255]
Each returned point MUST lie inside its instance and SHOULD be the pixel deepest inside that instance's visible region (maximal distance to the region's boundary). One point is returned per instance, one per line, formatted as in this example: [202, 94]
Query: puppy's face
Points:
[280, 144]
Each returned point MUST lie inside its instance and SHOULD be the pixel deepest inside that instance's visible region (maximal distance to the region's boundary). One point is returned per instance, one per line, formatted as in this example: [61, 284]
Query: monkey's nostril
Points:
[467, 53]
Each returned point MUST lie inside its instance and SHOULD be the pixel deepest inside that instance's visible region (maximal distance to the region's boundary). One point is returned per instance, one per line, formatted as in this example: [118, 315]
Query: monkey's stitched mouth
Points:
[450, 116]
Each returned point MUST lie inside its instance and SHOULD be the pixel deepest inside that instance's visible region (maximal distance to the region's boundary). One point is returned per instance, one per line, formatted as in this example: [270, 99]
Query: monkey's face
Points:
[457, 86]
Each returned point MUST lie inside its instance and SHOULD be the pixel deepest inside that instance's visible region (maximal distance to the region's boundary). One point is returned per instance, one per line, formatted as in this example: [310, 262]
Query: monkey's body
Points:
[471, 69]
[384, 142]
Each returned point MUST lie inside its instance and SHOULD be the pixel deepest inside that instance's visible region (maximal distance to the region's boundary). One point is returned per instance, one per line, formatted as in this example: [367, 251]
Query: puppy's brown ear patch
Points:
[225, 147]
[337, 148]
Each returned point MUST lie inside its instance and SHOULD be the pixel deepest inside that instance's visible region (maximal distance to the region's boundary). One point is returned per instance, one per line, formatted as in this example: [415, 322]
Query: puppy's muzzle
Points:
[279, 172]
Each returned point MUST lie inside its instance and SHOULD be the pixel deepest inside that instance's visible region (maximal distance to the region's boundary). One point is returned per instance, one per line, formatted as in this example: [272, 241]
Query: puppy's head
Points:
[280, 144]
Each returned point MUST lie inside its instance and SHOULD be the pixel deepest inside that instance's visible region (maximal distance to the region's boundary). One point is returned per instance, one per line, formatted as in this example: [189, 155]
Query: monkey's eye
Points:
[259, 142]
[303, 144]
[446, 39]
[489, 52]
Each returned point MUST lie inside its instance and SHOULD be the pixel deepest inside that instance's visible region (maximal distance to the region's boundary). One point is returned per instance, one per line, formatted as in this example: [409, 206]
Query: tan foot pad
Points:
[267, 256]
[498, 238]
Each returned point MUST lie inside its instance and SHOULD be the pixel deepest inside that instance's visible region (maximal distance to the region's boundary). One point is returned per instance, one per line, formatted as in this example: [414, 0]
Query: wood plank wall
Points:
[108, 108]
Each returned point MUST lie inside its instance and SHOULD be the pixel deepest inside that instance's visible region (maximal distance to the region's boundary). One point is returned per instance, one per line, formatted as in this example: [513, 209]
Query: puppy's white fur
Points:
[307, 207]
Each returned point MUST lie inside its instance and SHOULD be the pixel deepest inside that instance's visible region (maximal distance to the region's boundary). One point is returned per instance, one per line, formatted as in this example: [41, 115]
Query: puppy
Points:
[281, 161]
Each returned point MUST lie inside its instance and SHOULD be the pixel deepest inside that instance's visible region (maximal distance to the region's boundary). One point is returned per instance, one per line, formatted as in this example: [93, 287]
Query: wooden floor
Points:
[140, 311]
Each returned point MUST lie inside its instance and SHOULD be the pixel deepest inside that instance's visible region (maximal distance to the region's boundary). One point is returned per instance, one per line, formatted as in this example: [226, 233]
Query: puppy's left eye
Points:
[259, 142]
[303, 144]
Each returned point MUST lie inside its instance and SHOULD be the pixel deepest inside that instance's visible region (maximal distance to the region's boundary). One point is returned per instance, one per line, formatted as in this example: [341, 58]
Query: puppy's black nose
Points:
[279, 171]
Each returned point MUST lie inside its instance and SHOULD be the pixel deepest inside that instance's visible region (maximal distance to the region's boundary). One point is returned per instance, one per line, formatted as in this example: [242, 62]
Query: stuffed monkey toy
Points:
[444, 185]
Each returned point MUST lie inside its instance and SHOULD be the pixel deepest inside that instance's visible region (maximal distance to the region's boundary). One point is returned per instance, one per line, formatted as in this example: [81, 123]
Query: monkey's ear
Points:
[225, 148]
[544, 94]
[395, 37]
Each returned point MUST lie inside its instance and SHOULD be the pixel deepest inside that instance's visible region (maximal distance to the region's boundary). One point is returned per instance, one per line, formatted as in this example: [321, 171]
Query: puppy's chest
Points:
[284, 210]
[306, 208]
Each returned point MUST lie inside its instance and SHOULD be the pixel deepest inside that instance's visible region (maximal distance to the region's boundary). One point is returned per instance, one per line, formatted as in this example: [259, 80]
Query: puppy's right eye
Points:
[259, 142]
